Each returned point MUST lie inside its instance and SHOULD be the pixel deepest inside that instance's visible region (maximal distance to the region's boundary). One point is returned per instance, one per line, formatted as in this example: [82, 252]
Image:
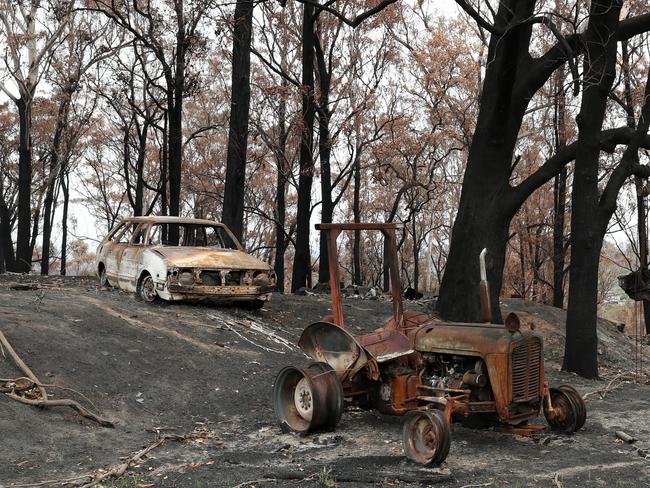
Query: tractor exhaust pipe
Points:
[484, 290]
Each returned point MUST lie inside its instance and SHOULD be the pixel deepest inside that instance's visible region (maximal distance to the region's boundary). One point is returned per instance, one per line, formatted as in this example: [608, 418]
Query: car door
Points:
[111, 251]
[130, 261]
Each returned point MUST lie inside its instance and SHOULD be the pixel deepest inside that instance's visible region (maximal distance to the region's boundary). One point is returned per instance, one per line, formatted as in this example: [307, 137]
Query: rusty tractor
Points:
[430, 371]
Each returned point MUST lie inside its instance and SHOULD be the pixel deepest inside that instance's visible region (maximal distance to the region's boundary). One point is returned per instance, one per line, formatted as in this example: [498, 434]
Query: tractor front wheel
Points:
[569, 411]
[426, 437]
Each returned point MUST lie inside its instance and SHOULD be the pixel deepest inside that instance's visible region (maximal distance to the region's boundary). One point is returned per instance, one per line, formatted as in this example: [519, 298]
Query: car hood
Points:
[201, 257]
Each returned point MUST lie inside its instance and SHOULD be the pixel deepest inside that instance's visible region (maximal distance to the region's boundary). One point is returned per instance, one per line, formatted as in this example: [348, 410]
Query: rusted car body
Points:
[417, 365]
[175, 258]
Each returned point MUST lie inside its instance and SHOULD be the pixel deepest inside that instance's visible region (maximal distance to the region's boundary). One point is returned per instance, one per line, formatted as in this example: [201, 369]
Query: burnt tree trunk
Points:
[64, 220]
[356, 210]
[23, 247]
[642, 223]
[175, 151]
[53, 178]
[164, 172]
[232, 213]
[488, 201]
[325, 152]
[483, 220]
[280, 199]
[416, 256]
[175, 79]
[559, 199]
[301, 275]
[580, 352]
[138, 201]
[6, 241]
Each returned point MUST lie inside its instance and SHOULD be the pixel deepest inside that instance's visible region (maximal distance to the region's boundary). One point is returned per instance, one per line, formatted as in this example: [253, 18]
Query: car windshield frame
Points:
[217, 227]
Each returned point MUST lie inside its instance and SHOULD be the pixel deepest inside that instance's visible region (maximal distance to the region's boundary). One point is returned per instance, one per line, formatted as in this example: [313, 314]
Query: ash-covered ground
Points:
[206, 373]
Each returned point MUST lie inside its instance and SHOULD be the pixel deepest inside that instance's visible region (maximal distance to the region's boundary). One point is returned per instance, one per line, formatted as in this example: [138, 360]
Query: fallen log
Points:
[625, 437]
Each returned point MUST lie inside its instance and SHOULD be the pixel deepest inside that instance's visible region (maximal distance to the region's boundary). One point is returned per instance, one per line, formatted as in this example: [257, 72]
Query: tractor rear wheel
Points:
[309, 399]
[426, 437]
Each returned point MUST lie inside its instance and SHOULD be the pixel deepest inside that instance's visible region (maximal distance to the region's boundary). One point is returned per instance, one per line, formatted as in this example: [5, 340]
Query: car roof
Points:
[152, 219]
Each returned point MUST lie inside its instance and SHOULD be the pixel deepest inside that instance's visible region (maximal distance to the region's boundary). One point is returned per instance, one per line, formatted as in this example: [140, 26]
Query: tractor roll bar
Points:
[332, 232]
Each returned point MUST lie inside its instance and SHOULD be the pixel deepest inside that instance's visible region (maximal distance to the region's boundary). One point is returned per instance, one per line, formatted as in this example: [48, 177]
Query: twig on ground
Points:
[96, 479]
[242, 336]
[476, 486]
[64, 481]
[626, 376]
[556, 480]
[120, 469]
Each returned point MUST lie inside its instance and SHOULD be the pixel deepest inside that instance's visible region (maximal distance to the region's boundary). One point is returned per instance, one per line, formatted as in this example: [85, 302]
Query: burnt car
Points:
[430, 371]
[175, 258]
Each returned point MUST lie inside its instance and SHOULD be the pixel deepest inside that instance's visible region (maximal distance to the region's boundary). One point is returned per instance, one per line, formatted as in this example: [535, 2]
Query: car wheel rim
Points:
[148, 289]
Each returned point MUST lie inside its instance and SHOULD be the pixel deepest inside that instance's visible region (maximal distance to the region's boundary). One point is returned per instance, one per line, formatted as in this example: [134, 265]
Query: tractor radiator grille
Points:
[526, 363]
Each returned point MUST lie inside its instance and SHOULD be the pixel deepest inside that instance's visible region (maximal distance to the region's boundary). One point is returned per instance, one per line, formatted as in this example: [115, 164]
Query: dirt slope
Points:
[208, 371]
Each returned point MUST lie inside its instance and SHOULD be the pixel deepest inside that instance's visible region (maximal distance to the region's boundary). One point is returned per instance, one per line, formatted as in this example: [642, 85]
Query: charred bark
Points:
[53, 178]
[587, 232]
[138, 207]
[64, 220]
[233, 197]
[175, 153]
[325, 153]
[482, 221]
[6, 241]
[488, 202]
[175, 79]
[301, 275]
[356, 210]
[23, 247]
[280, 199]
[559, 199]
[642, 223]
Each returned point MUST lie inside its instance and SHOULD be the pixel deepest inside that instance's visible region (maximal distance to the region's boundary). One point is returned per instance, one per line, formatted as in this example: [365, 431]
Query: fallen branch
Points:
[44, 401]
[21, 364]
[120, 469]
[626, 376]
[65, 402]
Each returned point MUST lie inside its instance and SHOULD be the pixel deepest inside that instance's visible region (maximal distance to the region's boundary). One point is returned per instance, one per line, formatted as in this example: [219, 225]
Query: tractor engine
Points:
[452, 372]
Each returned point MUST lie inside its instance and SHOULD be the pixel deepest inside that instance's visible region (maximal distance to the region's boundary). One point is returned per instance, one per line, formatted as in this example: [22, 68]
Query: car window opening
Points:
[190, 235]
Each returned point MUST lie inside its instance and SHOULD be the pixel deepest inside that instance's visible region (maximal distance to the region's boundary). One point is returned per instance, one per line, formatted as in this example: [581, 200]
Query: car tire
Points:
[146, 290]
